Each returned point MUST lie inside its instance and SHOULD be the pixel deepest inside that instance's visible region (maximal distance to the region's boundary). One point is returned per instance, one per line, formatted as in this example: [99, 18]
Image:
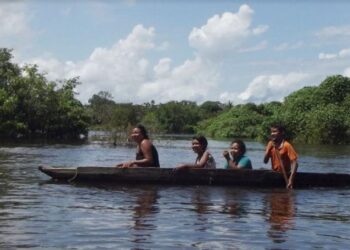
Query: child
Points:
[204, 158]
[282, 154]
[239, 160]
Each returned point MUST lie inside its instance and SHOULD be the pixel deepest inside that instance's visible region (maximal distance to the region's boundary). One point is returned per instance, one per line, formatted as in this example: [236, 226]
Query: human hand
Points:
[226, 154]
[180, 167]
[128, 164]
[120, 165]
[270, 145]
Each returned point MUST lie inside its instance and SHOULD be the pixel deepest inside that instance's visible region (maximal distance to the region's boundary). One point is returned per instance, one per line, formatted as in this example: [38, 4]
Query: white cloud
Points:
[257, 47]
[289, 46]
[325, 56]
[225, 32]
[266, 88]
[53, 68]
[162, 69]
[120, 69]
[347, 72]
[193, 80]
[341, 54]
[163, 46]
[125, 72]
[344, 53]
[333, 31]
[14, 20]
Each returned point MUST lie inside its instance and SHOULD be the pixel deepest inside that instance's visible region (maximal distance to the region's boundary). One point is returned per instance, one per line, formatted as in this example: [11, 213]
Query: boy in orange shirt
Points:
[282, 154]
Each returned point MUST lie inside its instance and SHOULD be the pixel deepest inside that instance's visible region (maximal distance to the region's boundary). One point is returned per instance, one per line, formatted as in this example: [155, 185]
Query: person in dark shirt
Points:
[146, 154]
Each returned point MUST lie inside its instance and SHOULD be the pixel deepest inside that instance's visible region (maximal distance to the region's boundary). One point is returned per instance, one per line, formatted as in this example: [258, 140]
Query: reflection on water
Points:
[280, 212]
[38, 214]
[145, 210]
[234, 204]
[201, 203]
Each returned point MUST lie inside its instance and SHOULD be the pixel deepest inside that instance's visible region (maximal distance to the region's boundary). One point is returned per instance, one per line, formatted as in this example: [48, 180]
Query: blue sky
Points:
[238, 51]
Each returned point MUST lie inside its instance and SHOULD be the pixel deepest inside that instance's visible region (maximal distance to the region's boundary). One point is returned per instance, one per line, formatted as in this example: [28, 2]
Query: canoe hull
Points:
[250, 178]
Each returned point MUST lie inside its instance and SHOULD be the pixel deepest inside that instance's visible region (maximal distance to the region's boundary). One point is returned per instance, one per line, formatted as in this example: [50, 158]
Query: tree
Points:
[32, 106]
[177, 117]
[101, 106]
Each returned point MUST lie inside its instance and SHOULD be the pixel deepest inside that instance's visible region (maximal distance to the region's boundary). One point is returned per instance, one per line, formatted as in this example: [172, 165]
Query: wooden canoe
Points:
[248, 178]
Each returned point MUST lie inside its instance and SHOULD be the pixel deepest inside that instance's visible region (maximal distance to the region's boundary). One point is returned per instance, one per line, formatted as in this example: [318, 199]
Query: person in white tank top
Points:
[204, 158]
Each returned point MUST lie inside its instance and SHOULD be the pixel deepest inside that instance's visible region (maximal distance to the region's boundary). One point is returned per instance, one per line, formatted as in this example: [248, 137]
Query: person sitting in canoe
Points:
[146, 154]
[239, 160]
[282, 154]
[204, 158]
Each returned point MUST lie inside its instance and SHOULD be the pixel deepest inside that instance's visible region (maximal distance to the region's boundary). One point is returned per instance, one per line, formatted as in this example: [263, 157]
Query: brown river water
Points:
[36, 213]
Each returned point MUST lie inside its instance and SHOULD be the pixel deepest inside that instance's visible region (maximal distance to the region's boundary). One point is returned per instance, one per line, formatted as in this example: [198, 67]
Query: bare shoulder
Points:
[146, 143]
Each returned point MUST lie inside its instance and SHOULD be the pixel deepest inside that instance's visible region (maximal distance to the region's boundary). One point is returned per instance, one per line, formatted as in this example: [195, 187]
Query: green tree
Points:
[102, 107]
[239, 121]
[178, 117]
[32, 106]
[326, 124]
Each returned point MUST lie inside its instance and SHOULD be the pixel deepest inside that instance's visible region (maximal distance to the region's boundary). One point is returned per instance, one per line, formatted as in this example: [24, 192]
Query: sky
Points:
[139, 51]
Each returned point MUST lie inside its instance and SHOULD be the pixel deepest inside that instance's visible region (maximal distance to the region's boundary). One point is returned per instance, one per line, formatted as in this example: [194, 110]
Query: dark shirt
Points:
[140, 156]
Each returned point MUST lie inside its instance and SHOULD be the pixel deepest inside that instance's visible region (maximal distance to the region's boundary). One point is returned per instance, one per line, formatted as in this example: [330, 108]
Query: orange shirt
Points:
[287, 154]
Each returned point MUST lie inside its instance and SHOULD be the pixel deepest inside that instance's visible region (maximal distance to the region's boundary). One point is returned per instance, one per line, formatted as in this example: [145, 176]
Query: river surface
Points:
[36, 213]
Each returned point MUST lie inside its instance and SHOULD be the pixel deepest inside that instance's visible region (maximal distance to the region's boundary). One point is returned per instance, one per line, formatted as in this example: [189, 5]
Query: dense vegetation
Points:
[311, 115]
[31, 106]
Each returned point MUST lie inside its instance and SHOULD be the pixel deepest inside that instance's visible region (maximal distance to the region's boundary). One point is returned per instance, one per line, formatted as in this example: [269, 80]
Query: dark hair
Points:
[202, 140]
[142, 130]
[241, 145]
[279, 127]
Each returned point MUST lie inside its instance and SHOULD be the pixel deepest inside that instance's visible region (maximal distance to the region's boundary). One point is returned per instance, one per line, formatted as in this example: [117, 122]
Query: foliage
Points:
[101, 108]
[239, 121]
[177, 117]
[310, 115]
[32, 106]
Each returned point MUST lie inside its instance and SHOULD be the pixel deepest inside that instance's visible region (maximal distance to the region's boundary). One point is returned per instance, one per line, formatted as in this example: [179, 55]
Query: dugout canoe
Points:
[248, 178]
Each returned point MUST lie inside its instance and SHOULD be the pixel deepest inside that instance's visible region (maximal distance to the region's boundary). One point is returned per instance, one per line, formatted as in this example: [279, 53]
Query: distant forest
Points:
[32, 106]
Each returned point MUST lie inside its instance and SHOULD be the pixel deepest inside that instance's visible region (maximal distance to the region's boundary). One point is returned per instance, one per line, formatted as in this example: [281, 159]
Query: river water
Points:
[36, 213]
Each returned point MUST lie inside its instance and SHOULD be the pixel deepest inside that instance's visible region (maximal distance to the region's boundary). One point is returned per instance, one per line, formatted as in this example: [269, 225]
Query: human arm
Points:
[294, 168]
[147, 161]
[199, 163]
[268, 149]
[230, 163]
[128, 164]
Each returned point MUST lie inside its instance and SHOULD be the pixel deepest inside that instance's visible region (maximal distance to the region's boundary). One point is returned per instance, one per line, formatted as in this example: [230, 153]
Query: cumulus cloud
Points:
[126, 73]
[266, 88]
[120, 69]
[193, 80]
[14, 20]
[341, 54]
[347, 72]
[162, 69]
[225, 32]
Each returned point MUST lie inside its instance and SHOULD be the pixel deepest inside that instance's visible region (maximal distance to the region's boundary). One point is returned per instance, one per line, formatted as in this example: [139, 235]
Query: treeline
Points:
[313, 115]
[32, 106]
[172, 117]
